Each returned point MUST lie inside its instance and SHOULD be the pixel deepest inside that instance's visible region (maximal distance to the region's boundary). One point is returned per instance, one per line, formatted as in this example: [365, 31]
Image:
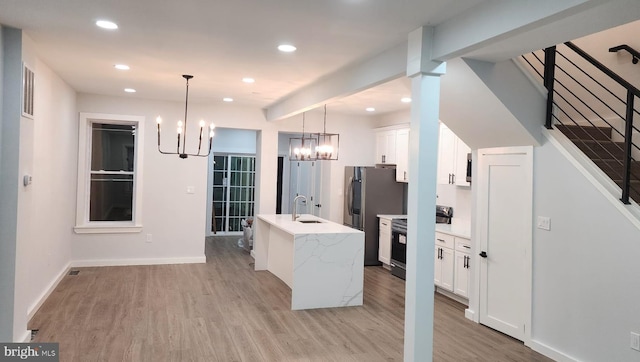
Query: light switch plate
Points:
[635, 341]
[544, 223]
[191, 189]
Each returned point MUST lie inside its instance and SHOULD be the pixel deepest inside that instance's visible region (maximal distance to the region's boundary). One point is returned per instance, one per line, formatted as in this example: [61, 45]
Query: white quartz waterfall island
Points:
[322, 261]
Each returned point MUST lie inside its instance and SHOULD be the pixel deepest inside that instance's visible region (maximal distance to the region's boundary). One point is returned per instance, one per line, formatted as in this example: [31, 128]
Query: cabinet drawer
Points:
[445, 240]
[463, 245]
[385, 224]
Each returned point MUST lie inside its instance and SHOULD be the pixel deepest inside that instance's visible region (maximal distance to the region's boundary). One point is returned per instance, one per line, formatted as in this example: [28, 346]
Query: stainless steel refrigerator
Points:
[370, 191]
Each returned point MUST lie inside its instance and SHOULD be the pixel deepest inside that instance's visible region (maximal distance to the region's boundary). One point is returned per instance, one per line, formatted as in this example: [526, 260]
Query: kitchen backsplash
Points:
[459, 198]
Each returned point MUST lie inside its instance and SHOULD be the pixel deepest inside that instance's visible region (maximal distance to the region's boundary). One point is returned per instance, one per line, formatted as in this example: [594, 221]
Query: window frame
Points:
[83, 225]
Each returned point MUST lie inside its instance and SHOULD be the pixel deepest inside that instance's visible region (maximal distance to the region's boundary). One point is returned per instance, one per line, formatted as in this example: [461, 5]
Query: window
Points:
[109, 173]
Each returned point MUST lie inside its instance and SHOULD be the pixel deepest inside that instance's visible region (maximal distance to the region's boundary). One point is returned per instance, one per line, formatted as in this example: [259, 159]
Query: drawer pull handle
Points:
[440, 240]
[466, 246]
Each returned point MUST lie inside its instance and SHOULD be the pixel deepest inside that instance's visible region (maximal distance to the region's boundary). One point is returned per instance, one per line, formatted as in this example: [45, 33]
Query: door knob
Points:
[318, 205]
[483, 254]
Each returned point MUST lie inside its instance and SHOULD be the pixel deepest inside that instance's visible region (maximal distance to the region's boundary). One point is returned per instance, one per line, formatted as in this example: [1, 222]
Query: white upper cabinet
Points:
[452, 158]
[402, 155]
[386, 147]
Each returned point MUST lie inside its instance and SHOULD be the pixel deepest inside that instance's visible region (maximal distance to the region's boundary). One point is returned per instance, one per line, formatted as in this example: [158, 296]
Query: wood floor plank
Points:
[225, 311]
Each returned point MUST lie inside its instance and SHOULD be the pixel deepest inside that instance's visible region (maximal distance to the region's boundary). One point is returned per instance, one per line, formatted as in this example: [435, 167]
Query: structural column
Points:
[423, 154]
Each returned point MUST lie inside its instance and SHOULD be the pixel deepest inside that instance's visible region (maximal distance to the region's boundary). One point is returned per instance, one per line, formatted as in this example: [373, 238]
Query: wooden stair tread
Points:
[597, 150]
[574, 132]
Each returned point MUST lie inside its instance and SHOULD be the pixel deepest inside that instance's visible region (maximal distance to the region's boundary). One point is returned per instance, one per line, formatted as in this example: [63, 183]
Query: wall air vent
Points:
[27, 91]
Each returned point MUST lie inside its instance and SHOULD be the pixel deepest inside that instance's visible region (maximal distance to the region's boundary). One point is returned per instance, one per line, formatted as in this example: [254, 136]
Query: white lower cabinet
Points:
[452, 264]
[384, 241]
[462, 267]
[443, 273]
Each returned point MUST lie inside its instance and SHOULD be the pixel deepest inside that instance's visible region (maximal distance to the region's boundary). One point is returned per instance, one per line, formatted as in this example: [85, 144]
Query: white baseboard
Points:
[150, 261]
[455, 297]
[25, 338]
[470, 315]
[47, 292]
[550, 352]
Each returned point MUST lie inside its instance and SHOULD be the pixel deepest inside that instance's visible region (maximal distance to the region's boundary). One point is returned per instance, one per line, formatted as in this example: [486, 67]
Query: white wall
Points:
[176, 220]
[585, 269]
[231, 140]
[53, 168]
[45, 209]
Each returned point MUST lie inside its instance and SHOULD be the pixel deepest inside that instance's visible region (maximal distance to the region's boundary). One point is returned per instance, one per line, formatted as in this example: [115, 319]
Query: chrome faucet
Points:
[294, 215]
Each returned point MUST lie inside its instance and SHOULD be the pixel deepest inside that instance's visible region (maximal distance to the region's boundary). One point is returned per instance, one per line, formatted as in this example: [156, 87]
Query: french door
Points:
[233, 192]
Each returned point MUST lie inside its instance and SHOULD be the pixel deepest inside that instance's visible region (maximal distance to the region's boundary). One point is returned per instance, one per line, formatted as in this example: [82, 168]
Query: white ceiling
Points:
[220, 42]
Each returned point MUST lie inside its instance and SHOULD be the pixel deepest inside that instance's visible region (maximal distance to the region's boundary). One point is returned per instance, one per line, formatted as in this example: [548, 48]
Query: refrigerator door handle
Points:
[350, 197]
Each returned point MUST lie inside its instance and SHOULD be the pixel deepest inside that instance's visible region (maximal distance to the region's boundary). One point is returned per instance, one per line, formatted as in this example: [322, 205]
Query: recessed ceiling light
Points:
[248, 80]
[370, 109]
[287, 48]
[405, 100]
[227, 99]
[129, 90]
[105, 24]
[122, 67]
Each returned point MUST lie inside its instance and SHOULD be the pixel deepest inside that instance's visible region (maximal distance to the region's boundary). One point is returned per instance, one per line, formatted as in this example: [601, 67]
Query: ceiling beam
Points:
[504, 27]
[495, 20]
[346, 81]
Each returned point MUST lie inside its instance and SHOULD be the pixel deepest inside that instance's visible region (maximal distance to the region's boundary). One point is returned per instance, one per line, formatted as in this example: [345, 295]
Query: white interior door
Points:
[505, 196]
[306, 179]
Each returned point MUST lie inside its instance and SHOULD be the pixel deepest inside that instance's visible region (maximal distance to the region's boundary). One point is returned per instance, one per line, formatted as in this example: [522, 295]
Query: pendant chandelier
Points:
[301, 148]
[328, 143]
[182, 131]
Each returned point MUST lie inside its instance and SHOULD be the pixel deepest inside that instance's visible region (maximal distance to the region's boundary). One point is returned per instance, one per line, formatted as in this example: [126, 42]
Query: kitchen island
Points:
[321, 261]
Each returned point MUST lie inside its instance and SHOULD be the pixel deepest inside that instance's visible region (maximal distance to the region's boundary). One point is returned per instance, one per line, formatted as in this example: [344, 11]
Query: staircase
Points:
[594, 108]
[597, 144]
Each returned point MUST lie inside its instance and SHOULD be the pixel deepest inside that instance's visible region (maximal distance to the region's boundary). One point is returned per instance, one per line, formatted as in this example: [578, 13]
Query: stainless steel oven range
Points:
[399, 239]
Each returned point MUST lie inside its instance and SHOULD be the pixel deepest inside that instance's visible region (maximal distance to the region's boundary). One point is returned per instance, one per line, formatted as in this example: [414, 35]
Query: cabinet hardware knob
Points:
[483, 254]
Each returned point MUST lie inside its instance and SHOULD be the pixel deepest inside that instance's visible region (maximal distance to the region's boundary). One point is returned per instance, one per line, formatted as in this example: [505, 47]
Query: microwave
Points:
[468, 167]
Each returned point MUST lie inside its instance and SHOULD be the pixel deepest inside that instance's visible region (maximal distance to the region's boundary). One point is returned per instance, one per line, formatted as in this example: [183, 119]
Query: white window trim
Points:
[83, 225]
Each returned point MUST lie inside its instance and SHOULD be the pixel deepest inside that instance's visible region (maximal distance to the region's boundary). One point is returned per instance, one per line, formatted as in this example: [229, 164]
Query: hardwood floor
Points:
[225, 311]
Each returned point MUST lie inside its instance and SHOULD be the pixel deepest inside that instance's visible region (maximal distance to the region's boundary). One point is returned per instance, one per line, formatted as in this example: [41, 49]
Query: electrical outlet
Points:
[149, 238]
[635, 341]
[544, 222]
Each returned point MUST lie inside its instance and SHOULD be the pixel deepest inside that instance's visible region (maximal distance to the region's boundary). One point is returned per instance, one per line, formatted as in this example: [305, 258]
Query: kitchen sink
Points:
[310, 221]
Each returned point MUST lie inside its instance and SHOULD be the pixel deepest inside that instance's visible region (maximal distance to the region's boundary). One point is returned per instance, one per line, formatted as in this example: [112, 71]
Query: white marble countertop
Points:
[284, 223]
[455, 230]
[390, 217]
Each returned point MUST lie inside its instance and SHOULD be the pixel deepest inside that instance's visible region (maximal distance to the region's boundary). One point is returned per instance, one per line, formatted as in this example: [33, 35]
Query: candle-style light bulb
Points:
[158, 120]
[201, 123]
[211, 134]
[180, 124]
[212, 126]
[179, 130]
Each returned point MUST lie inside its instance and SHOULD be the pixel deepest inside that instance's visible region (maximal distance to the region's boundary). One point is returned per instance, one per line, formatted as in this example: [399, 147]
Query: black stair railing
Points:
[581, 91]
